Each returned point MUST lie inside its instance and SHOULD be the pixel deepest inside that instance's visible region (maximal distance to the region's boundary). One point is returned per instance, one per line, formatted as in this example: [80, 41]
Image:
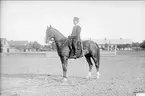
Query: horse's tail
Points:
[98, 53]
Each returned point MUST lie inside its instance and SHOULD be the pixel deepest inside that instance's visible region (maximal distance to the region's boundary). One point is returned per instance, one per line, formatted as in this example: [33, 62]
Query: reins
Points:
[60, 41]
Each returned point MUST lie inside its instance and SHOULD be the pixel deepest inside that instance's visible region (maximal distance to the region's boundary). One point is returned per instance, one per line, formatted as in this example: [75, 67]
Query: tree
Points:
[142, 45]
[20, 47]
[36, 45]
[135, 44]
[106, 46]
[33, 45]
[0, 47]
[46, 48]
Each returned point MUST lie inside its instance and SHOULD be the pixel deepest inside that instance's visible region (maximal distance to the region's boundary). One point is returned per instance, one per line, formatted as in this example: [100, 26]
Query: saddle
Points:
[79, 49]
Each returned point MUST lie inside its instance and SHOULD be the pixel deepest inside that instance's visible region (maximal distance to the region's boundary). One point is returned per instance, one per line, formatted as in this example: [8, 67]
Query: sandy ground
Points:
[120, 75]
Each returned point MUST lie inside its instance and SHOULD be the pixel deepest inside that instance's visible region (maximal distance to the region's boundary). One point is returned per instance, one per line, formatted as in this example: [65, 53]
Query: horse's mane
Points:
[58, 32]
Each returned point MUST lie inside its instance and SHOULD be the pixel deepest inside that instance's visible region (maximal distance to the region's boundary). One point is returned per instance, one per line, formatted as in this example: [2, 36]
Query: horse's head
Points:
[49, 34]
[53, 34]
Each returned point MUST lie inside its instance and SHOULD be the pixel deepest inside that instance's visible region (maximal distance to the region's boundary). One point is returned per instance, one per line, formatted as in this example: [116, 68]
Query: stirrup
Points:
[75, 55]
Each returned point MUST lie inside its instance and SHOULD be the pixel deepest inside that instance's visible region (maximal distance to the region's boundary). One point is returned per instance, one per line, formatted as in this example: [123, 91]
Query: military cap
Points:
[76, 18]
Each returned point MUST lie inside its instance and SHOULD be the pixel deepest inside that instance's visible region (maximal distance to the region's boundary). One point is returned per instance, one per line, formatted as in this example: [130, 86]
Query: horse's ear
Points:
[50, 26]
[47, 27]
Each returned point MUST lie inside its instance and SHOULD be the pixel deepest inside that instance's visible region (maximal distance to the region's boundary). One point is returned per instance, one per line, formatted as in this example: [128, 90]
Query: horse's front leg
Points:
[64, 61]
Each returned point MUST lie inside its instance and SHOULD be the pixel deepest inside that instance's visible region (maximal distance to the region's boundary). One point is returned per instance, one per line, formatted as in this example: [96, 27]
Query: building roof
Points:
[113, 41]
[18, 43]
[101, 41]
[4, 42]
[127, 41]
[116, 41]
[3, 39]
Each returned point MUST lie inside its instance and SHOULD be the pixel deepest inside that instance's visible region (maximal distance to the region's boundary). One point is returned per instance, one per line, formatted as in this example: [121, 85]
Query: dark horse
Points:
[62, 45]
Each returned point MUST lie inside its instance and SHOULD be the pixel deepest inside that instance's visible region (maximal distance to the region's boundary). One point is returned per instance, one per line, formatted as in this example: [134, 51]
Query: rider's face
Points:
[75, 22]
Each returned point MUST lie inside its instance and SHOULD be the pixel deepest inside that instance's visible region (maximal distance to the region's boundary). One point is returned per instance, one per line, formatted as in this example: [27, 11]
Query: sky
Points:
[28, 20]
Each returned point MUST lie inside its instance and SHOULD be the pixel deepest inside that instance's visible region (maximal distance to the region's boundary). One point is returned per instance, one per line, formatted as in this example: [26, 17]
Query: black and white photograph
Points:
[72, 48]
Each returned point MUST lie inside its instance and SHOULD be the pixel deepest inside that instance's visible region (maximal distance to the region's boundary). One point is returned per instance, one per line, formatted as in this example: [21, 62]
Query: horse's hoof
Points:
[88, 77]
[64, 80]
[98, 75]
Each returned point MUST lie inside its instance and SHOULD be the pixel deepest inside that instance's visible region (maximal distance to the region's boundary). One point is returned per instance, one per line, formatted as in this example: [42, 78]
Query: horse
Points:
[62, 46]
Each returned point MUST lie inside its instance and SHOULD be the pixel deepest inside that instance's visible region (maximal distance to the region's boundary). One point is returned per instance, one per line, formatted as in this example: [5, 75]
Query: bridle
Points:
[57, 42]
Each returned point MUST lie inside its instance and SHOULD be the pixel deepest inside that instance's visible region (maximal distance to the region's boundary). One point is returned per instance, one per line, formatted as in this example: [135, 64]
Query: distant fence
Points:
[108, 53]
[47, 54]
[52, 53]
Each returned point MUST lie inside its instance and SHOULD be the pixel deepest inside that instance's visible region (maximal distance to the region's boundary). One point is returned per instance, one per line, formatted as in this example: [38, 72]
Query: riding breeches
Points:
[74, 45]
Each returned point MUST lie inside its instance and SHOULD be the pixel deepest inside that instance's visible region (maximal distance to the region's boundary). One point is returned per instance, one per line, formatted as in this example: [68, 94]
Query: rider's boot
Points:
[75, 53]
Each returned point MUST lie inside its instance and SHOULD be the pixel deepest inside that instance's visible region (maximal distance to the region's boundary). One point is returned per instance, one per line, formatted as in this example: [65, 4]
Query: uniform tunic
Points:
[76, 32]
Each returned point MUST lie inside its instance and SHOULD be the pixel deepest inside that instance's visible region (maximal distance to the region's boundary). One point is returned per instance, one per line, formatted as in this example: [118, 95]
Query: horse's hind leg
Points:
[88, 58]
[97, 63]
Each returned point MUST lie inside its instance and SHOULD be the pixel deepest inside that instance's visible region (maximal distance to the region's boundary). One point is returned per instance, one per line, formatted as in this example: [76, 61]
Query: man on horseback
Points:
[64, 50]
[75, 35]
